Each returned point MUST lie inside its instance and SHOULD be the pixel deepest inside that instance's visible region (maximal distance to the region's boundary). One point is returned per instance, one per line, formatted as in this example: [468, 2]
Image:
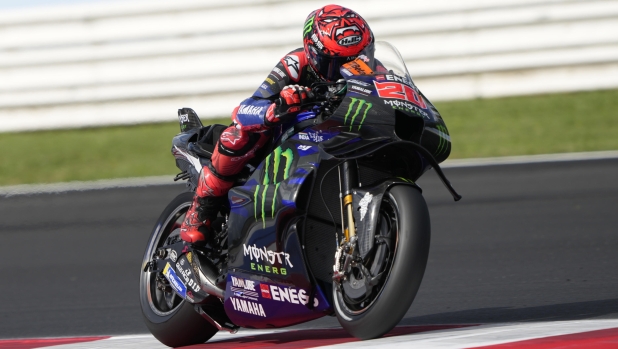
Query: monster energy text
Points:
[273, 258]
[406, 106]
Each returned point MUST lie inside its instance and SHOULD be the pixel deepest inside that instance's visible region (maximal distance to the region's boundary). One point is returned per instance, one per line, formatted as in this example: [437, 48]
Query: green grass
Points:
[558, 123]
[88, 154]
[584, 121]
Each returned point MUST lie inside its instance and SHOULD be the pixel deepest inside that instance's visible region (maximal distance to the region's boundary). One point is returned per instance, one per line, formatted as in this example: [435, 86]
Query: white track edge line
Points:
[55, 188]
[485, 334]
[530, 159]
[453, 338]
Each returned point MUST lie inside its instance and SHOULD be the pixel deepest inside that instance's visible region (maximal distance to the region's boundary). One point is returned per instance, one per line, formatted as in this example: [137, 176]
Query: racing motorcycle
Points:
[327, 220]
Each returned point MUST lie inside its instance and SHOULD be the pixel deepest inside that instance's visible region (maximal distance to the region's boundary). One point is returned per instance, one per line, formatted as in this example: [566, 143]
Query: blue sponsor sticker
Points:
[315, 137]
[305, 149]
[174, 280]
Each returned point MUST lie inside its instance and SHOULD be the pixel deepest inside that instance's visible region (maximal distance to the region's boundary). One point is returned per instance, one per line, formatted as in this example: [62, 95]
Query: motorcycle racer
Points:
[332, 36]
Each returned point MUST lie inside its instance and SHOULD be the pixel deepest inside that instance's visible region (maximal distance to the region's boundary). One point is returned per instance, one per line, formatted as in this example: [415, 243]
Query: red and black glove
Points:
[292, 97]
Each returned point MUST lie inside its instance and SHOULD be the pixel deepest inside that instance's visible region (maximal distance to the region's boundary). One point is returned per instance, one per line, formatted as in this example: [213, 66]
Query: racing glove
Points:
[292, 97]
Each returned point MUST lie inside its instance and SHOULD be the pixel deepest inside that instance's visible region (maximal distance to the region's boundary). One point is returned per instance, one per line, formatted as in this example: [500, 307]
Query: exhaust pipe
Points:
[208, 277]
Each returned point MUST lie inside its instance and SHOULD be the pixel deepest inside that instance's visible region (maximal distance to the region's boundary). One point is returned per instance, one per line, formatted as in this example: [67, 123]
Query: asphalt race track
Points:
[534, 242]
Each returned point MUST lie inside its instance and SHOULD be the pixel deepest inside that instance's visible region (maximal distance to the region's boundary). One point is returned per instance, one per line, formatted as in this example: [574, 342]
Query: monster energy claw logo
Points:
[272, 183]
[356, 111]
[308, 26]
[444, 139]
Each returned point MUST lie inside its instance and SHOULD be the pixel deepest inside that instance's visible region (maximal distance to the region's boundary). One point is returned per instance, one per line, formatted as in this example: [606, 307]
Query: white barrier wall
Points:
[138, 61]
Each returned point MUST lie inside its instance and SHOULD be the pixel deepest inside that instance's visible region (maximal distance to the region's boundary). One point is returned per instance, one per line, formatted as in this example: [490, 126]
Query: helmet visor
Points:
[327, 66]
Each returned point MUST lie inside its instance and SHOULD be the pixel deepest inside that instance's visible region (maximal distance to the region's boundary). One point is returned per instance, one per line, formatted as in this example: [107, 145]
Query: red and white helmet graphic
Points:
[332, 36]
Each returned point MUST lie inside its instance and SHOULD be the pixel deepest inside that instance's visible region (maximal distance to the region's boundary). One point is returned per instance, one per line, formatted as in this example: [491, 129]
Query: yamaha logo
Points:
[350, 40]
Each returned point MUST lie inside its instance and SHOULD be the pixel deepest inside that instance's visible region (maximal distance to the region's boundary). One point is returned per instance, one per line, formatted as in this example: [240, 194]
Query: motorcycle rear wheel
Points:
[404, 227]
[170, 319]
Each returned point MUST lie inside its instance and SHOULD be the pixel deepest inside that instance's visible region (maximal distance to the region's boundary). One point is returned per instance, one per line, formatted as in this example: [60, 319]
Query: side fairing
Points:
[383, 99]
[264, 244]
[436, 137]
[257, 302]
[273, 188]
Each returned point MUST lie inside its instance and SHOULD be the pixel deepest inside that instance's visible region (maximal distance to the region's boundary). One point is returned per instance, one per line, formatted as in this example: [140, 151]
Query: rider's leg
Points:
[233, 150]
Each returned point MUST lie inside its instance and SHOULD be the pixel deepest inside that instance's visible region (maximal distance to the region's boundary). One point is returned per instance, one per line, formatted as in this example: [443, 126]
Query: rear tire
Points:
[403, 212]
[170, 319]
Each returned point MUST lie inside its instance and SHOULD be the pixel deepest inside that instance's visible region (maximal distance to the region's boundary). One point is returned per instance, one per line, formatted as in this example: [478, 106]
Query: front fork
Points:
[348, 179]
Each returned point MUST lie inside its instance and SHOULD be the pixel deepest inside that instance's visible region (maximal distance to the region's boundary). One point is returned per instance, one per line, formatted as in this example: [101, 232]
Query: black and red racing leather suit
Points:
[251, 130]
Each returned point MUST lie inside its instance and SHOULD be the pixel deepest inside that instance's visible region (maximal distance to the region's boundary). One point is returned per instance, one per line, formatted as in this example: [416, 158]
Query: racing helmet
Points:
[334, 35]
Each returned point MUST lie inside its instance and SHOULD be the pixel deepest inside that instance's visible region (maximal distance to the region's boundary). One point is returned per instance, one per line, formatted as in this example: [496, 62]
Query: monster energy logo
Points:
[272, 182]
[308, 26]
[444, 139]
[356, 111]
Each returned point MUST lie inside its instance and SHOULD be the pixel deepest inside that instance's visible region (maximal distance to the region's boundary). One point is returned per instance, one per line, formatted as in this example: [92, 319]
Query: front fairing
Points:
[378, 85]
[382, 101]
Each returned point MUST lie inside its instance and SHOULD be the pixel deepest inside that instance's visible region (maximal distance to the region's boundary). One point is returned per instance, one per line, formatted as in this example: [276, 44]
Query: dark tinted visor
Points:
[328, 66]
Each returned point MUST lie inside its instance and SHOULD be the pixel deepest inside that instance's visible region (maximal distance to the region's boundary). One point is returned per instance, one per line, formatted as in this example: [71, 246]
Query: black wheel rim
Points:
[164, 302]
[357, 294]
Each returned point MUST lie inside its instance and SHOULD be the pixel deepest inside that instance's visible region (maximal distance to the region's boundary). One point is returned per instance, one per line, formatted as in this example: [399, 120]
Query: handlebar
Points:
[323, 95]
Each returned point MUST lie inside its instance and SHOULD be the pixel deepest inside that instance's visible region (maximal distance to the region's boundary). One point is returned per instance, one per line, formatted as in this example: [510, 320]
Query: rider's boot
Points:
[196, 228]
[209, 196]
[233, 150]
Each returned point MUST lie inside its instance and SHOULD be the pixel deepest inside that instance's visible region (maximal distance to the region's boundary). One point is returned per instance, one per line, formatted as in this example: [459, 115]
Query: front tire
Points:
[404, 228]
[170, 319]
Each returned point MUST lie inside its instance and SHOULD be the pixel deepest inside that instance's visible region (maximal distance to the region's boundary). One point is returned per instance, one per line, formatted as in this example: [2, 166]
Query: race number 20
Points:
[397, 90]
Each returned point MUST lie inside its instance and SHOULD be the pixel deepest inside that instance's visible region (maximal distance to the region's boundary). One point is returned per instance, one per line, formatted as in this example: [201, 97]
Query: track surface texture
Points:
[532, 242]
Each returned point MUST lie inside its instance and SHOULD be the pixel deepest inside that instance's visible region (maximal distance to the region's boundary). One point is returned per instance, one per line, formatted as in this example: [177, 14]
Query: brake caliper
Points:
[343, 259]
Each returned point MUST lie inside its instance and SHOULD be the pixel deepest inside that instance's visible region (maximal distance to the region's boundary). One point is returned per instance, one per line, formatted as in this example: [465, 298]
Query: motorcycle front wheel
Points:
[170, 319]
[378, 291]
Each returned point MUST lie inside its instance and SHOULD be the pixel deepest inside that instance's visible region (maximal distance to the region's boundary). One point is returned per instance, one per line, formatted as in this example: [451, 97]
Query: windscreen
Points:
[381, 58]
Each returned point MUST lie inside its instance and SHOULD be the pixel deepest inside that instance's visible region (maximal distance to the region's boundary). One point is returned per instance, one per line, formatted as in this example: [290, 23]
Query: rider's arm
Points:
[259, 111]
